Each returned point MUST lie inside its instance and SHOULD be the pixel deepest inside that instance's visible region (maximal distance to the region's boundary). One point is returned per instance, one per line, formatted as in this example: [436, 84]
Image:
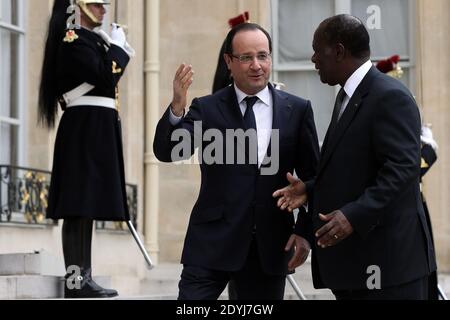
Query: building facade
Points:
[165, 34]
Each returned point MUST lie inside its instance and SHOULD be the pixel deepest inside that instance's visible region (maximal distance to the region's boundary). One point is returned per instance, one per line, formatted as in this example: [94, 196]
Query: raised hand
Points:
[181, 83]
[118, 35]
[293, 196]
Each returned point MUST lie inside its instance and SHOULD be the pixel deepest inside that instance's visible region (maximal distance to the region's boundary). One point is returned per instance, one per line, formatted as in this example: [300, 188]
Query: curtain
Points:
[298, 20]
[393, 37]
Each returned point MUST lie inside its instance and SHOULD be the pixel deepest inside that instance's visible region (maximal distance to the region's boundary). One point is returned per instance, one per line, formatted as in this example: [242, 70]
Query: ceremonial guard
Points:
[81, 70]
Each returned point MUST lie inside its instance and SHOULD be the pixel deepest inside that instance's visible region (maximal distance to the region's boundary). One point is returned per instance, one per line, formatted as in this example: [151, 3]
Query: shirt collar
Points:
[353, 82]
[263, 95]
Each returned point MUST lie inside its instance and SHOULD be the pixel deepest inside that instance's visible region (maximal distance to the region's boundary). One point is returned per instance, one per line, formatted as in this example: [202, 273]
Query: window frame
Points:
[20, 69]
[408, 63]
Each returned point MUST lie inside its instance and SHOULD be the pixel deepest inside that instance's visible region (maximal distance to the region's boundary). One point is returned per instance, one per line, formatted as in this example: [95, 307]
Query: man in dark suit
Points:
[236, 232]
[367, 225]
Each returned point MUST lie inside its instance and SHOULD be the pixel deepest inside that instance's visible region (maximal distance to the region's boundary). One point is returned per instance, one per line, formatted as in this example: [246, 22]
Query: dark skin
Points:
[335, 65]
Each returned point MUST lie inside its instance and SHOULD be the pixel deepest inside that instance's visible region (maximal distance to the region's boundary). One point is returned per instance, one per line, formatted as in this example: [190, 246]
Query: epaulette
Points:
[71, 36]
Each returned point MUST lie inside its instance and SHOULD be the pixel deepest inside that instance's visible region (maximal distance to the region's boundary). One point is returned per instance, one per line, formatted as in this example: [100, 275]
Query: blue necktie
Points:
[249, 115]
[250, 123]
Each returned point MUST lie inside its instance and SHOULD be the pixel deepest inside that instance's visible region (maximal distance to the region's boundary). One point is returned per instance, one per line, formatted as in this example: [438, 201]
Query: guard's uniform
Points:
[88, 178]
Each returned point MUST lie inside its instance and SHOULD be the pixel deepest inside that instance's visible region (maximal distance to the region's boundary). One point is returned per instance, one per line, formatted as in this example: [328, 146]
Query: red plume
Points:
[242, 18]
[385, 66]
[395, 59]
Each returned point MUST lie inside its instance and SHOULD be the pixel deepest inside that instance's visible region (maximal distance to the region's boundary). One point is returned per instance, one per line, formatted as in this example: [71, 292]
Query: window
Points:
[12, 81]
[293, 26]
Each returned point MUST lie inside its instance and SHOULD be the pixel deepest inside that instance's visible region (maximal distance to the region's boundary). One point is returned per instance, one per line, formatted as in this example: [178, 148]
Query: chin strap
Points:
[83, 6]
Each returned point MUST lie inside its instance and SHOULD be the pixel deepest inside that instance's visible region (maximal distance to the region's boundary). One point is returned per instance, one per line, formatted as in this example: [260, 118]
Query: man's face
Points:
[251, 76]
[324, 59]
[98, 10]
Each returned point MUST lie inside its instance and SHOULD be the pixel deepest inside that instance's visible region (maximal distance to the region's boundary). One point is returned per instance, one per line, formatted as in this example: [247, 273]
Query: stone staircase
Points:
[36, 275]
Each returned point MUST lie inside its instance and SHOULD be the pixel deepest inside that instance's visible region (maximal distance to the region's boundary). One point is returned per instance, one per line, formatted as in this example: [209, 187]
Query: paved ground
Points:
[162, 284]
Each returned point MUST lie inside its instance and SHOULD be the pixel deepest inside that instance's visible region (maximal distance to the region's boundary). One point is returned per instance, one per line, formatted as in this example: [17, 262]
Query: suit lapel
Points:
[229, 108]
[282, 109]
[355, 103]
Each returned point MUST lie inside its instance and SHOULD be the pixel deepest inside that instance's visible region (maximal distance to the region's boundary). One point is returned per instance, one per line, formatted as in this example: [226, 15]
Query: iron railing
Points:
[24, 198]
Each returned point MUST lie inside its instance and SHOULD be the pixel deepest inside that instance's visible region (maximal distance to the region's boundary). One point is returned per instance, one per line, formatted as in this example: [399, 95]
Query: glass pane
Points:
[8, 74]
[393, 36]
[308, 86]
[8, 144]
[297, 22]
[9, 11]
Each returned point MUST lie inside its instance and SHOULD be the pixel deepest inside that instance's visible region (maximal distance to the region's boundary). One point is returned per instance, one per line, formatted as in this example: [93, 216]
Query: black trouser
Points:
[77, 242]
[415, 290]
[249, 283]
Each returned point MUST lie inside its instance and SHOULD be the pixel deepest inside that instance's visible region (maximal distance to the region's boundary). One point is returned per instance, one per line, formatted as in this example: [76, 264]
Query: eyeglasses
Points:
[246, 58]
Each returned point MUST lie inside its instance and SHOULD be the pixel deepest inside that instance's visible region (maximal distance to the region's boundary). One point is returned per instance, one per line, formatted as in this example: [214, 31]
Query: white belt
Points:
[93, 101]
[79, 91]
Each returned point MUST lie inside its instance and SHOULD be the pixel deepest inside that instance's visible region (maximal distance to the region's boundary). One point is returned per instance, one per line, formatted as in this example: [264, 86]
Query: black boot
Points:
[77, 239]
[83, 287]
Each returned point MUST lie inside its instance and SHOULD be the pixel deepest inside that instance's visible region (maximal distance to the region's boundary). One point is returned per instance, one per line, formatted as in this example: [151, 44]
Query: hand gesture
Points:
[181, 83]
[293, 196]
[337, 229]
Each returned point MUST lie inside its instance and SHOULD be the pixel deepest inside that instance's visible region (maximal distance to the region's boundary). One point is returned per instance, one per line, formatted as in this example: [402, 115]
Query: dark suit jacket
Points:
[369, 169]
[234, 198]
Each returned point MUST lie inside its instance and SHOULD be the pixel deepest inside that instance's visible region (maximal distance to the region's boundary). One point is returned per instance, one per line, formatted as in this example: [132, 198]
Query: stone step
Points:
[34, 263]
[38, 286]
[30, 287]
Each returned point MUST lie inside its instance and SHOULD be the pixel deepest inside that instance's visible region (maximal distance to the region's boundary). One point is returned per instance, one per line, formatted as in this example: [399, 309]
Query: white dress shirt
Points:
[353, 83]
[263, 110]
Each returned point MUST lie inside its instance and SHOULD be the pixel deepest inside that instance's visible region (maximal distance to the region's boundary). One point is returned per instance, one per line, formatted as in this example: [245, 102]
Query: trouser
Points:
[415, 290]
[249, 283]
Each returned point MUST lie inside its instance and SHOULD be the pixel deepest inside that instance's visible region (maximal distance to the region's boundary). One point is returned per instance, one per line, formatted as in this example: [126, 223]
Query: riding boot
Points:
[87, 249]
[77, 238]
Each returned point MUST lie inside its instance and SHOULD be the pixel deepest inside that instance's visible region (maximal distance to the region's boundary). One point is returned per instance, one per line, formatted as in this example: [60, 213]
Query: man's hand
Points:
[301, 251]
[293, 196]
[337, 229]
[118, 35]
[181, 83]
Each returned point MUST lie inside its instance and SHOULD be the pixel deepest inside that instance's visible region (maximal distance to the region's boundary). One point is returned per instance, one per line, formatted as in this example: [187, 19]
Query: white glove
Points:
[426, 137]
[118, 35]
[120, 39]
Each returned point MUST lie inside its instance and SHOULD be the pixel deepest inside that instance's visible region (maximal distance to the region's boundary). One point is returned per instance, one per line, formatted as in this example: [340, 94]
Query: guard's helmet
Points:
[83, 4]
